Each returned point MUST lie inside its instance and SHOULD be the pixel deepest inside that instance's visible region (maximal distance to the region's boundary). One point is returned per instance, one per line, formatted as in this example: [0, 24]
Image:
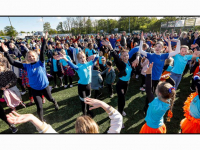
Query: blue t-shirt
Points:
[180, 63]
[197, 59]
[149, 43]
[100, 61]
[55, 68]
[169, 68]
[159, 61]
[133, 51]
[37, 75]
[84, 72]
[63, 62]
[195, 107]
[89, 52]
[112, 42]
[128, 73]
[155, 113]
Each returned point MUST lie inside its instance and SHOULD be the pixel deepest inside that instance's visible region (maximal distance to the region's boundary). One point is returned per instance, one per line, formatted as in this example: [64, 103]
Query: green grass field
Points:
[63, 120]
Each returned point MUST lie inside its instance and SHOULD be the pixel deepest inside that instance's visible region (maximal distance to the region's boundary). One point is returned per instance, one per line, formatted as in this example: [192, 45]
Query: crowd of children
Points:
[159, 59]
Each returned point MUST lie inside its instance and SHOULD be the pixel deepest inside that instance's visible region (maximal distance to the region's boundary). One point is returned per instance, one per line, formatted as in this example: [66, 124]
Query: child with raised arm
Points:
[84, 70]
[37, 76]
[158, 106]
[158, 59]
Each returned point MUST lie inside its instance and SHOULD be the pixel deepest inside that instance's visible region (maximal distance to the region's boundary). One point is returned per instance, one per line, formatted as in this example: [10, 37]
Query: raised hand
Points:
[142, 36]
[46, 36]
[4, 47]
[93, 102]
[15, 118]
[149, 69]
[105, 43]
[135, 63]
[61, 56]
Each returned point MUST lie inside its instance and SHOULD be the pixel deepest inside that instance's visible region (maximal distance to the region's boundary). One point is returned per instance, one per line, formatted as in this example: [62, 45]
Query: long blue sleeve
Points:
[95, 59]
[72, 65]
[133, 51]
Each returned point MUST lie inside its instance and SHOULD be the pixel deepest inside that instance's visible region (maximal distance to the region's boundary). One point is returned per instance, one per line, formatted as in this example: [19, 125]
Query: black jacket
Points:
[123, 40]
[121, 65]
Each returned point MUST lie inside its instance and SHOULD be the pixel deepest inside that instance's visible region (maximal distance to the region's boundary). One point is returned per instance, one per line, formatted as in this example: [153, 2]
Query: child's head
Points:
[109, 64]
[166, 92]
[81, 57]
[145, 46]
[124, 56]
[63, 52]
[100, 53]
[1, 55]
[31, 57]
[96, 67]
[159, 47]
[169, 61]
[50, 47]
[184, 50]
[85, 124]
[190, 52]
[55, 55]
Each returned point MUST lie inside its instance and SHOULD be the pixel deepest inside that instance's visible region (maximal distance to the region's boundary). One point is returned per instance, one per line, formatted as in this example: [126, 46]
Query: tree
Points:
[89, 25]
[2, 33]
[52, 31]
[60, 27]
[22, 32]
[10, 31]
[46, 27]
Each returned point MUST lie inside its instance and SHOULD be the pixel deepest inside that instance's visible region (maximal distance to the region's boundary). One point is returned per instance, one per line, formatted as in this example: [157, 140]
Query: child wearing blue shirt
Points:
[180, 62]
[191, 122]
[66, 70]
[84, 70]
[37, 76]
[158, 106]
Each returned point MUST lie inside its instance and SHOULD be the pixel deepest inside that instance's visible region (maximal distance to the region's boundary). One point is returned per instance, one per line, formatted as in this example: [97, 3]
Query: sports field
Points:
[63, 120]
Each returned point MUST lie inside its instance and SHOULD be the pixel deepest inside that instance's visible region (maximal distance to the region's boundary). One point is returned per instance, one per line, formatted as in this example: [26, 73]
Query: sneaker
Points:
[137, 76]
[56, 106]
[192, 89]
[65, 86]
[22, 93]
[43, 100]
[112, 95]
[55, 87]
[142, 89]
[123, 113]
[71, 86]
[61, 85]
[13, 128]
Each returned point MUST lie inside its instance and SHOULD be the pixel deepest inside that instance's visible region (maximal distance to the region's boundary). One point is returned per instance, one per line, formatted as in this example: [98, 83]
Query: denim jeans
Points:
[176, 78]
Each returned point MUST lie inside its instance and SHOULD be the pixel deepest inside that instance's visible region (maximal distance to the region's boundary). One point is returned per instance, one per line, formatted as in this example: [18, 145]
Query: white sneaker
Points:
[22, 93]
[142, 89]
[137, 76]
[71, 86]
[61, 85]
[65, 86]
[123, 113]
[55, 87]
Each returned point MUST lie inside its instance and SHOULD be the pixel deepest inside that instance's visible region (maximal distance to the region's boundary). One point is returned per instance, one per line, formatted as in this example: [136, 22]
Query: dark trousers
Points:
[110, 89]
[143, 80]
[154, 85]
[37, 96]
[66, 80]
[96, 93]
[19, 81]
[30, 92]
[3, 115]
[121, 88]
[83, 92]
[193, 85]
[55, 75]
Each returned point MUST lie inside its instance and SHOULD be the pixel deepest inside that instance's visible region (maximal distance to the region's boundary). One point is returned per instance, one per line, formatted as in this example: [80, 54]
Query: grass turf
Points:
[63, 120]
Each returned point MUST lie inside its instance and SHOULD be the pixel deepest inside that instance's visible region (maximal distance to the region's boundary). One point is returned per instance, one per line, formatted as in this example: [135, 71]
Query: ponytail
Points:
[172, 95]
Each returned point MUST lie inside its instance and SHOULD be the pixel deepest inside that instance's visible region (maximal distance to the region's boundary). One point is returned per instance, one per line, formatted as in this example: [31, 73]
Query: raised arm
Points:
[114, 115]
[178, 46]
[148, 84]
[140, 48]
[42, 52]
[11, 61]
[42, 127]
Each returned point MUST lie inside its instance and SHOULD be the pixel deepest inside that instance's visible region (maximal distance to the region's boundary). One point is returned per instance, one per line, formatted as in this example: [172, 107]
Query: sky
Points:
[29, 24]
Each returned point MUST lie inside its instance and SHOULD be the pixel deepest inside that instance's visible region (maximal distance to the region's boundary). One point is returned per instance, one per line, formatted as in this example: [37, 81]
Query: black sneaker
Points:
[13, 128]
[56, 105]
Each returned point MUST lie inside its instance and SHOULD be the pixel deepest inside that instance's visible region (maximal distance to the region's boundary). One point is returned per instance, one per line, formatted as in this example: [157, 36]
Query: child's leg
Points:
[110, 89]
[19, 81]
[96, 93]
[66, 80]
[70, 80]
[54, 75]
[3, 115]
